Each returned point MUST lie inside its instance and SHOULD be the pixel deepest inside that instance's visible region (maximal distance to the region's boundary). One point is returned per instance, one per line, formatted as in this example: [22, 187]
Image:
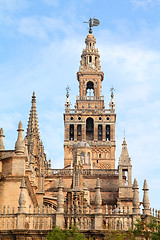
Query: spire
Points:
[22, 200]
[112, 103]
[124, 157]
[1, 140]
[60, 197]
[98, 199]
[136, 203]
[20, 145]
[33, 122]
[146, 203]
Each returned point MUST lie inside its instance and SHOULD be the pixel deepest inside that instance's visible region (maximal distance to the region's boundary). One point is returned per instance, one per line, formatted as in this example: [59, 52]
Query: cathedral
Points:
[89, 191]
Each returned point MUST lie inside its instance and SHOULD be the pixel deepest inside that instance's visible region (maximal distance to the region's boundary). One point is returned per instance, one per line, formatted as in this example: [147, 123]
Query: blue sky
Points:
[40, 47]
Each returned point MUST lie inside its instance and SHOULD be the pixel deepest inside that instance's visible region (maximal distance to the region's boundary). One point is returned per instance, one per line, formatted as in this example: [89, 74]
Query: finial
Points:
[112, 90]
[20, 145]
[92, 22]
[67, 91]
[1, 139]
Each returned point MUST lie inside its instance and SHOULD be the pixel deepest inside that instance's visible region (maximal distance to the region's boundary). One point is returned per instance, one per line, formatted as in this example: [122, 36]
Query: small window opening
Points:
[107, 132]
[95, 61]
[97, 161]
[99, 132]
[90, 45]
[79, 132]
[100, 155]
[71, 135]
[85, 61]
[90, 59]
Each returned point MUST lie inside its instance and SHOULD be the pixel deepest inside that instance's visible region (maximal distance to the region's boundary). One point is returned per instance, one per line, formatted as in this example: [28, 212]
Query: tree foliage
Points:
[148, 229]
[66, 234]
[144, 229]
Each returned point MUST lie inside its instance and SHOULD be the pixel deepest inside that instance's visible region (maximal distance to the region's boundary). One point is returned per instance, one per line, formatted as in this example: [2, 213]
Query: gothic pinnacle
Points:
[33, 122]
[146, 202]
[20, 145]
[136, 203]
[1, 140]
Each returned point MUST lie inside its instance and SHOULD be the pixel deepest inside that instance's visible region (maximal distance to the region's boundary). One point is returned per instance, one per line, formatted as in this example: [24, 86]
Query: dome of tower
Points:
[90, 38]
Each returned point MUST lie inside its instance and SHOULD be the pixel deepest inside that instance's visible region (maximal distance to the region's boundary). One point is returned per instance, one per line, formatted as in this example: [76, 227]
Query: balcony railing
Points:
[86, 172]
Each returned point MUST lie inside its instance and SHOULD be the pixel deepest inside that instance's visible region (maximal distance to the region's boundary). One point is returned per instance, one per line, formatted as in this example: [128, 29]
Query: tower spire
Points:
[33, 121]
[32, 135]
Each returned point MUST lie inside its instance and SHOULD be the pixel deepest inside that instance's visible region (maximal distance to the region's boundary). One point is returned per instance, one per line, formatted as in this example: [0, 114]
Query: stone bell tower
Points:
[90, 121]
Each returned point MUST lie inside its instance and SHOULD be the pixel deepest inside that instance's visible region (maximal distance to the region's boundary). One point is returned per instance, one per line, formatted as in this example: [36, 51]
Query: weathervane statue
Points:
[92, 23]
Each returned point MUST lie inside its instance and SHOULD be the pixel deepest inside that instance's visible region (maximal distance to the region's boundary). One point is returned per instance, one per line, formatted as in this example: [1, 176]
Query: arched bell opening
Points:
[90, 89]
[89, 129]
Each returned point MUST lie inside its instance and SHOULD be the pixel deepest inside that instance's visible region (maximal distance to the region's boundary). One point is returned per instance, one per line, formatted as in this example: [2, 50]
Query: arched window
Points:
[107, 132]
[100, 132]
[89, 129]
[90, 89]
[88, 158]
[71, 132]
[82, 157]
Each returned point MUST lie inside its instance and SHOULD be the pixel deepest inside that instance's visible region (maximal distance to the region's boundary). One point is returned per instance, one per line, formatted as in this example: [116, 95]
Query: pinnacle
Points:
[1, 132]
[20, 127]
[135, 184]
[145, 186]
[124, 157]
[124, 142]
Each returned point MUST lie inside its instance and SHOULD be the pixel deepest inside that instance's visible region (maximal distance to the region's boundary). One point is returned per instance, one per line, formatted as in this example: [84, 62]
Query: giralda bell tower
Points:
[90, 126]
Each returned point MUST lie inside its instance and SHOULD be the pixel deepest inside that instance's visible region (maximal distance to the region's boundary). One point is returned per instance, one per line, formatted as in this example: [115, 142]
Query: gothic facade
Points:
[89, 191]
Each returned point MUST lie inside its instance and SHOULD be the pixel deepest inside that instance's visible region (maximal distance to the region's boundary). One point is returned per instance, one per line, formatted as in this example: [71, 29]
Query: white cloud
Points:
[145, 3]
[12, 5]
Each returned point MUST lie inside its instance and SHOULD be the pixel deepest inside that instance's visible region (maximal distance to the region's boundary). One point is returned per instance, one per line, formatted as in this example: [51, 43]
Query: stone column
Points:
[84, 132]
[95, 132]
[75, 132]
